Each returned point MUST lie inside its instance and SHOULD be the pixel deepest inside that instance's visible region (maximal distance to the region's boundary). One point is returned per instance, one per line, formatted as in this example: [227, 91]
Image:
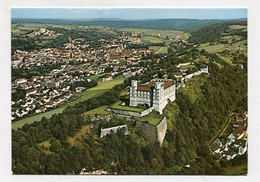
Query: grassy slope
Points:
[76, 140]
[192, 89]
[99, 110]
[87, 94]
[153, 118]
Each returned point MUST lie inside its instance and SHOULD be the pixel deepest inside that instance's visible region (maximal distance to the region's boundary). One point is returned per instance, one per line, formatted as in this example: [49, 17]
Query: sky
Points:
[134, 14]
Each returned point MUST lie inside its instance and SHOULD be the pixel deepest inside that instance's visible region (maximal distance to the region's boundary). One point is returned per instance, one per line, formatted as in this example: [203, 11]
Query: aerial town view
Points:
[98, 93]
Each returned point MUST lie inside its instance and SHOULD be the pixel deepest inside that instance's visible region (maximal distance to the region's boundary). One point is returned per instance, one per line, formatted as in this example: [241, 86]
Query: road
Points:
[221, 131]
[159, 50]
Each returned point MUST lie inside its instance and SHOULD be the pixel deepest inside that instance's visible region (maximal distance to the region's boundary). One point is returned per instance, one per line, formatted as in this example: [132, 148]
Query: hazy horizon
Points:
[128, 14]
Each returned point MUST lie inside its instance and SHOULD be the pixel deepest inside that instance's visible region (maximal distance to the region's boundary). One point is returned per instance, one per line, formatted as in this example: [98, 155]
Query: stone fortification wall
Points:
[161, 130]
[127, 113]
[153, 133]
[131, 113]
[150, 131]
[147, 111]
[106, 131]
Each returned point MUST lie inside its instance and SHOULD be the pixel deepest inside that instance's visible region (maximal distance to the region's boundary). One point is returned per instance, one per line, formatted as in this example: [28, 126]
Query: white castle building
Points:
[154, 94]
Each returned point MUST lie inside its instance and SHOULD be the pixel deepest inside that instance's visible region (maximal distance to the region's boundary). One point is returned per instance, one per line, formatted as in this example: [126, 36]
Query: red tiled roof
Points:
[144, 88]
[168, 84]
[42, 108]
[238, 132]
[107, 76]
[151, 83]
[15, 58]
[243, 116]
[32, 90]
[178, 73]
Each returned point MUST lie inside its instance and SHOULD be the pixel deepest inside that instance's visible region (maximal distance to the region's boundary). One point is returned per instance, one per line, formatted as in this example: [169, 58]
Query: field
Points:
[227, 59]
[126, 108]
[158, 33]
[153, 118]
[150, 39]
[99, 110]
[87, 94]
[213, 48]
[238, 26]
[159, 49]
[235, 44]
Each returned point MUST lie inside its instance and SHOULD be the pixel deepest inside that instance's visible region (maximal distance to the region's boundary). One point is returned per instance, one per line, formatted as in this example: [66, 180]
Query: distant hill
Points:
[214, 32]
[176, 24]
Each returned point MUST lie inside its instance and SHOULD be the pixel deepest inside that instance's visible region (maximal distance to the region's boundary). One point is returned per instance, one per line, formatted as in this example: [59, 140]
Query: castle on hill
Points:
[155, 94]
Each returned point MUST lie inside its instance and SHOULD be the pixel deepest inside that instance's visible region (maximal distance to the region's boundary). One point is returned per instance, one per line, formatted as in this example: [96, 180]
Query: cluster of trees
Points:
[34, 71]
[84, 83]
[87, 34]
[35, 43]
[18, 94]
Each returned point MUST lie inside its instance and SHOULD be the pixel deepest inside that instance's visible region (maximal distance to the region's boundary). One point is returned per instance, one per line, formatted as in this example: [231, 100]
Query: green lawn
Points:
[153, 118]
[87, 94]
[100, 110]
[126, 108]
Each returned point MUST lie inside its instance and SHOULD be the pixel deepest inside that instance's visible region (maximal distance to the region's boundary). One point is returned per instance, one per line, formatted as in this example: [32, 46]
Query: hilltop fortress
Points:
[155, 94]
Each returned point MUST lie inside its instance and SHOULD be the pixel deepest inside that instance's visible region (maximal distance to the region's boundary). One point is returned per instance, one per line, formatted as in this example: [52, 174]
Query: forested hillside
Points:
[176, 24]
[214, 32]
[44, 148]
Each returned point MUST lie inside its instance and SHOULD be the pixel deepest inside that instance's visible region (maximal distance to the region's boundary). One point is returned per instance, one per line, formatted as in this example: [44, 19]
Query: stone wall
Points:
[150, 131]
[161, 130]
[127, 113]
[131, 113]
[147, 111]
[115, 129]
[153, 133]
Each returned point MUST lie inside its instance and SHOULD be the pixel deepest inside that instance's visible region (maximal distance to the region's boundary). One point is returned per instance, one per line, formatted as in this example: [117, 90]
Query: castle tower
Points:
[133, 93]
[157, 94]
